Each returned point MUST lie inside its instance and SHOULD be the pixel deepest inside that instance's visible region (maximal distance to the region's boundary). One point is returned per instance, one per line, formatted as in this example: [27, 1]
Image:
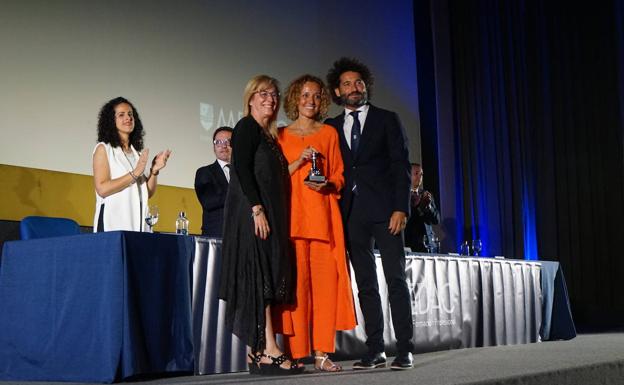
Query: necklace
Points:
[128, 159]
[138, 184]
[302, 131]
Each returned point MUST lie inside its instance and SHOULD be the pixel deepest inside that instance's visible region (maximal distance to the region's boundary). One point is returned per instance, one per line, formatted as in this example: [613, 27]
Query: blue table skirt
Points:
[95, 307]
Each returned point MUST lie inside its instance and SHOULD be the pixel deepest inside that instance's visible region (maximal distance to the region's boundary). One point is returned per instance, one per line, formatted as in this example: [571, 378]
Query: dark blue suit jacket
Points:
[419, 225]
[211, 187]
[381, 167]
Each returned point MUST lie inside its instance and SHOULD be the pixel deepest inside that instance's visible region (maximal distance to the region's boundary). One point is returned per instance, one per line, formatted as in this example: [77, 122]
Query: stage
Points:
[585, 360]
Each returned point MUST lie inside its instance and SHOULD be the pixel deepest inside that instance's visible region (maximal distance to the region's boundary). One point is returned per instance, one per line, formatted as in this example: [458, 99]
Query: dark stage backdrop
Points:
[522, 111]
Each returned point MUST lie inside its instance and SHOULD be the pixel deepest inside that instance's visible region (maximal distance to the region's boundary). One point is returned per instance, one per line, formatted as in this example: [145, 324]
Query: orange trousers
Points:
[314, 315]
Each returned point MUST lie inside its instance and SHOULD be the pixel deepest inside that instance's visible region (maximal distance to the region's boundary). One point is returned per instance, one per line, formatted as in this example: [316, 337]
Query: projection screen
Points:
[184, 65]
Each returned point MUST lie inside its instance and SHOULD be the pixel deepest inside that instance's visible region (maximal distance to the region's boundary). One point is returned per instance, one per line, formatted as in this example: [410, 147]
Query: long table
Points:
[460, 302]
[95, 307]
[110, 306]
[456, 303]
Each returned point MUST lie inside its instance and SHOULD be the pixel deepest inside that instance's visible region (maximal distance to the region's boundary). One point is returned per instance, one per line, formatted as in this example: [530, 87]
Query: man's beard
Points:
[354, 102]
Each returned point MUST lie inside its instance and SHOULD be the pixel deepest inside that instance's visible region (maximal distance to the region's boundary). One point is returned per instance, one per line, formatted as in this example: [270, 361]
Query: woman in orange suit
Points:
[324, 300]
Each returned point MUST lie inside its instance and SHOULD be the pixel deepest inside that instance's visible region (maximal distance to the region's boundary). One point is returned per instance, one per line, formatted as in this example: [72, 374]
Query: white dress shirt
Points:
[226, 169]
[348, 122]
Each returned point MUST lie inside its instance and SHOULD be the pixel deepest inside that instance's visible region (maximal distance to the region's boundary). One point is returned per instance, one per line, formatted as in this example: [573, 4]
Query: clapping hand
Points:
[140, 167]
[426, 198]
[160, 161]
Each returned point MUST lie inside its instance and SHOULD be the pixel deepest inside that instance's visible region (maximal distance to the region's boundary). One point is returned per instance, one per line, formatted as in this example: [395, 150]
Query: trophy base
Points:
[316, 178]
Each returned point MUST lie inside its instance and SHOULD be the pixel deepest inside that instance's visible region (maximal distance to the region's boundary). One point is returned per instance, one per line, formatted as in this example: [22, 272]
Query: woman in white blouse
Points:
[122, 185]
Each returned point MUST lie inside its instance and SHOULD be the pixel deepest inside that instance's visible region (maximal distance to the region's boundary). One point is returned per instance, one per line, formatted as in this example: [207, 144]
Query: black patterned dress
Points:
[255, 272]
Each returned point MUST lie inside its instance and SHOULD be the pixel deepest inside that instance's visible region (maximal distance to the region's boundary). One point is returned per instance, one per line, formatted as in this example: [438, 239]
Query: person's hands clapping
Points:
[160, 161]
[426, 198]
[140, 167]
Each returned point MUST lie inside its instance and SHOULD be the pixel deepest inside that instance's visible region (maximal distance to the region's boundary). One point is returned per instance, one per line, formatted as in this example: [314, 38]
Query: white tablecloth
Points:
[456, 303]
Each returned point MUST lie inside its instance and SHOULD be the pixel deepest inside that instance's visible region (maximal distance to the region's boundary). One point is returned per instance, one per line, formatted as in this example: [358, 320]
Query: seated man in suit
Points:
[424, 213]
[211, 184]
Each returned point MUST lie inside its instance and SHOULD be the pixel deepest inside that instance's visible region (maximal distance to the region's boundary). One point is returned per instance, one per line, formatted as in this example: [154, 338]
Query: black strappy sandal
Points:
[275, 368]
[254, 365]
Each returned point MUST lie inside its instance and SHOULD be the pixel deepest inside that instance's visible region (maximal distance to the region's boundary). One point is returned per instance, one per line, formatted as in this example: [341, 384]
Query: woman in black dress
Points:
[258, 266]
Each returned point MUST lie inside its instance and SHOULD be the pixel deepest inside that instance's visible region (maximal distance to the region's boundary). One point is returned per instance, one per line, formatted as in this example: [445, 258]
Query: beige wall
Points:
[29, 191]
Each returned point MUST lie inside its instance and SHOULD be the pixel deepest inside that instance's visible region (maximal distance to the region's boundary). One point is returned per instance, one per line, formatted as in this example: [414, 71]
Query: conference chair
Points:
[44, 227]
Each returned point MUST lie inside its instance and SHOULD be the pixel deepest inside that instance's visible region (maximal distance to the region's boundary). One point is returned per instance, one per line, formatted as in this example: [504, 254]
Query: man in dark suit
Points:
[211, 184]
[375, 206]
[424, 214]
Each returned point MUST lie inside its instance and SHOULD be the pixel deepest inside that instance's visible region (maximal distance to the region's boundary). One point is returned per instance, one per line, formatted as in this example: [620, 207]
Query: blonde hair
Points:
[259, 83]
[293, 93]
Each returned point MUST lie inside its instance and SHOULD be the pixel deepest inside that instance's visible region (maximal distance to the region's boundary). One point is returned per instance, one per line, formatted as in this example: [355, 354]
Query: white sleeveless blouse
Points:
[126, 209]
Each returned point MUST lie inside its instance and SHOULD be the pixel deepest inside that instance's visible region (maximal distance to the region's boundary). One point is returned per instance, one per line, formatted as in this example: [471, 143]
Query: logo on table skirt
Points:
[429, 298]
[433, 322]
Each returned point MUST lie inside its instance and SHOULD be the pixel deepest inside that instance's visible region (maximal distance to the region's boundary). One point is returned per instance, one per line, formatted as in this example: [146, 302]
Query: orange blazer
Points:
[317, 215]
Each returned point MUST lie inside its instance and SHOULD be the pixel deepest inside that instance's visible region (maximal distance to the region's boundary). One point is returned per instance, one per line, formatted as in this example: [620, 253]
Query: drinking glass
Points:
[476, 247]
[435, 244]
[151, 218]
[426, 243]
[464, 249]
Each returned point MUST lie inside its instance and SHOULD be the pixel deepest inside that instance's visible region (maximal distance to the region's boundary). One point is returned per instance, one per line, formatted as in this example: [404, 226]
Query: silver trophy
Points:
[315, 174]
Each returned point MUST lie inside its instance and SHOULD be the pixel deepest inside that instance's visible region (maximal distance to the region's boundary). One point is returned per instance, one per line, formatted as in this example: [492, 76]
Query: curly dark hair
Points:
[343, 65]
[293, 93]
[107, 129]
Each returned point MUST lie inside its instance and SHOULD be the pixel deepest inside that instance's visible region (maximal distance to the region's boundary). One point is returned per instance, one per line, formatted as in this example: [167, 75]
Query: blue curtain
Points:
[528, 118]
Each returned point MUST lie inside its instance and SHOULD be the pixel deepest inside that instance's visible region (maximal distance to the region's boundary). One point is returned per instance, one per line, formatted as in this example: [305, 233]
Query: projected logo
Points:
[206, 115]
[224, 117]
[210, 120]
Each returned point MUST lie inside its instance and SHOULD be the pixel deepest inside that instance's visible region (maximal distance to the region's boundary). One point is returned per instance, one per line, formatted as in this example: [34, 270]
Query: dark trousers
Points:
[361, 234]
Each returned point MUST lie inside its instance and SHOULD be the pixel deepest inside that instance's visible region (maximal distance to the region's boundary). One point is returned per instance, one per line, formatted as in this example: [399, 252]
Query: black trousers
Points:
[361, 235]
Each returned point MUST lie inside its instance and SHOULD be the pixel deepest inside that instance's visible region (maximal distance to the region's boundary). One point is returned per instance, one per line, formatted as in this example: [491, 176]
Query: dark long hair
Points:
[107, 130]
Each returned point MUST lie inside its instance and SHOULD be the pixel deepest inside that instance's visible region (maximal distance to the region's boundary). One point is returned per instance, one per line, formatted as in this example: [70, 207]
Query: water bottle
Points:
[182, 224]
